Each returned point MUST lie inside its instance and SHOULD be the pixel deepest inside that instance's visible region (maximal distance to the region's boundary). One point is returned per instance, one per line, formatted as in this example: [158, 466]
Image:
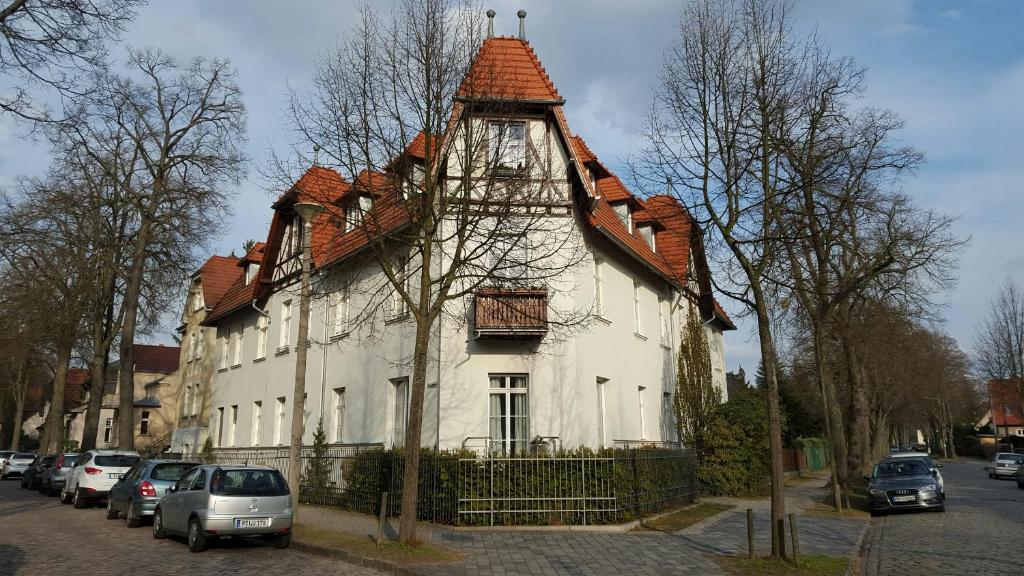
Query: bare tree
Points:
[167, 136]
[999, 339]
[461, 198]
[51, 42]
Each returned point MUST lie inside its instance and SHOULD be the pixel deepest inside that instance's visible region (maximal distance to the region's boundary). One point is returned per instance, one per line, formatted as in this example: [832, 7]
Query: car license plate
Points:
[114, 476]
[252, 522]
[904, 498]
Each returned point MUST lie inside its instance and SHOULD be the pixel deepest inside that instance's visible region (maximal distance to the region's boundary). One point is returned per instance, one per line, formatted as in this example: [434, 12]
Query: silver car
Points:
[1004, 465]
[16, 464]
[214, 501]
[52, 481]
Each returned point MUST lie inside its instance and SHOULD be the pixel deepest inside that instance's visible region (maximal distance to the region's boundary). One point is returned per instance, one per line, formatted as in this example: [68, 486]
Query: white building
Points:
[608, 378]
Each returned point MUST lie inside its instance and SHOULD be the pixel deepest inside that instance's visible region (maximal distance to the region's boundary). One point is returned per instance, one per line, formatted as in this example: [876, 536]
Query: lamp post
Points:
[307, 211]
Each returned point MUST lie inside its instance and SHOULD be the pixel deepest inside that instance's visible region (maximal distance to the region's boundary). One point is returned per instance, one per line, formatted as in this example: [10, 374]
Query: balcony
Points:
[511, 313]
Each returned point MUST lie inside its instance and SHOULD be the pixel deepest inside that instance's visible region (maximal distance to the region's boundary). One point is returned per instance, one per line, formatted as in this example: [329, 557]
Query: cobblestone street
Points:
[38, 535]
[980, 532]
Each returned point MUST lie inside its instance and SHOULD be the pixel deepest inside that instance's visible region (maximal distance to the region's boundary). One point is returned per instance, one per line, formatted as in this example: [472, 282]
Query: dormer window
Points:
[622, 210]
[593, 181]
[197, 300]
[647, 233]
[251, 270]
[292, 237]
[354, 212]
[412, 181]
[508, 146]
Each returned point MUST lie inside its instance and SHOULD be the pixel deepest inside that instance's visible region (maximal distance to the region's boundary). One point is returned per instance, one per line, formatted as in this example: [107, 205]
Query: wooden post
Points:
[750, 532]
[382, 518]
[794, 540]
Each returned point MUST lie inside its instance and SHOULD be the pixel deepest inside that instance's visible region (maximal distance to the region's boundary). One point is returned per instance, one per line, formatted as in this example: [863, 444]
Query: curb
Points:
[344, 555]
[856, 566]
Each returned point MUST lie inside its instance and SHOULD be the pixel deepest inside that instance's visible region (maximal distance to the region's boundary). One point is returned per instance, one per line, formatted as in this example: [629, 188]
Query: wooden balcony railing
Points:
[511, 313]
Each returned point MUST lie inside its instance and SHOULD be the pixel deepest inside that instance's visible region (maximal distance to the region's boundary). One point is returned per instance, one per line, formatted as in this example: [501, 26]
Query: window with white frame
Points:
[338, 425]
[236, 359]
[339, 313]
[286, 325]
[197, 299]
[643, 417]
[293, 237]
[232, 424]
[508, 146]
[261, 336]
[598, 287]
[220, 426]
[510, 256]
[625, 215]
[637, 326]
[509, 413]
[108, 430]
[647, 233]
[144, 423]
[257, 423]
[224, 353]
[664, 321]
[279, 421]
[400, 411]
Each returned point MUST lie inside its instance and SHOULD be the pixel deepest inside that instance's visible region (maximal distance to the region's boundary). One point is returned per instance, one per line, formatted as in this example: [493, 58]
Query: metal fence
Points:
[459, 487]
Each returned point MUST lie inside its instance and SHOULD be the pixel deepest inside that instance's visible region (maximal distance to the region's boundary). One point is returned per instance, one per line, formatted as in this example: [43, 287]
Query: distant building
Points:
[1004, 413]
[37, 403]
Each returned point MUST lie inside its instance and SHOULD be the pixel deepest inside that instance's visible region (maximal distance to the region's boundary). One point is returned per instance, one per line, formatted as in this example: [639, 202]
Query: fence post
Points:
[583, 464]
[750, 532]
[793, 538]
[382, 518]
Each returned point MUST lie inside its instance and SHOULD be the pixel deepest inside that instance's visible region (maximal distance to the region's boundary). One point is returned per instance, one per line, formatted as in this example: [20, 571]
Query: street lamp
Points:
[307, 211]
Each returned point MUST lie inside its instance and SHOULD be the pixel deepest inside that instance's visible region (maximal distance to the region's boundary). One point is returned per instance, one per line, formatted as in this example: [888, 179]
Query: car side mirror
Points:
[938, 464]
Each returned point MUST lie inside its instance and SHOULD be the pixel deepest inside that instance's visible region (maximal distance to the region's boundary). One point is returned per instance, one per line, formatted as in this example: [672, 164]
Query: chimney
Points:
[490, 23]
[522, 23]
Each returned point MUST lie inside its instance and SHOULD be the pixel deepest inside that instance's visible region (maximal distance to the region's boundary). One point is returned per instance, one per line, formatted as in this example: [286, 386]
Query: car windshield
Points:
[248, 483]
[900, 468]
[172, 470]
[1010, 457]
[70, 461]
[23, 456]
[116, 460]
[48, 460]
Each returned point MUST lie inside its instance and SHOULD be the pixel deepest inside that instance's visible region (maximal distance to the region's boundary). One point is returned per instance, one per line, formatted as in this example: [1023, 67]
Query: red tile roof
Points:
[1005, 403]
[255, 254]
[158, 359]
[418, 147]
[73, 387]
[216, 276]
[508, 69]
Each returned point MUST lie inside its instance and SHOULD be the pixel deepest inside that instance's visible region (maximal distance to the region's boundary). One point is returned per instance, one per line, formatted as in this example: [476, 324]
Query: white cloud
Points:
[951, 14]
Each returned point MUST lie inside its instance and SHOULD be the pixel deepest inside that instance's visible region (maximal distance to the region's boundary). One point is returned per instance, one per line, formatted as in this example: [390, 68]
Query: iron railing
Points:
[464, 488]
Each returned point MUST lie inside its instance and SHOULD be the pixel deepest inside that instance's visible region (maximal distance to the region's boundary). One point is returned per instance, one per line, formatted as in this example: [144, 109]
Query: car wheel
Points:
[196, 538]
[130, 519]
[76, 499]
[158, 525]
[282, 542]
[65, 498]
[111, 512]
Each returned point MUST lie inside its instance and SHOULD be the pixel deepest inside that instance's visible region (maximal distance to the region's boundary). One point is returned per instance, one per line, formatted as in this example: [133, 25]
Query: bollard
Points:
[780, 534]
[750, 532]
[382, 518]
[794, 540]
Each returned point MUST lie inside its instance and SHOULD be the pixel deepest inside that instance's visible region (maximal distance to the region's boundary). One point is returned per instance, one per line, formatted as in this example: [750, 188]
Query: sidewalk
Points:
[507, 551]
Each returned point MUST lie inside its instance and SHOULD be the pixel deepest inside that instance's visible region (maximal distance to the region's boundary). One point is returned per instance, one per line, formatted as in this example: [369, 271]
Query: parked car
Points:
[52, 480]
[213, 501]
[903, 484]
[94, 474]
[136, 494]
[1004, 465]
[16, 464]
[4, 455]
[30, 479]
[932, 465]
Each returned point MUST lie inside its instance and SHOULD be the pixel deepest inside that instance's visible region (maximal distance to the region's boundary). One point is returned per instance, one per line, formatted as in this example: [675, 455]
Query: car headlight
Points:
[929, 488]
[877, 492]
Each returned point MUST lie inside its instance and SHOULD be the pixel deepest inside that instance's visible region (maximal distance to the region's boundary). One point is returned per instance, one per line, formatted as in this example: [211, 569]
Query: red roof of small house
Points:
[73, 387]
[507, 68]
[217, 275]
[156, 359]
[1005, 403]
[418, 147]
[255, 254]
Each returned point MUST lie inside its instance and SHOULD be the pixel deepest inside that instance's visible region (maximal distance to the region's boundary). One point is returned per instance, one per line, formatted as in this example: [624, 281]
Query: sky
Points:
[954, 70]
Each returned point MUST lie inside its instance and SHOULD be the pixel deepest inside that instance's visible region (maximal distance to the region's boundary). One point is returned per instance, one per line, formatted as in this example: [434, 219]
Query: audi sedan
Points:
[903, 485]
[214, 501]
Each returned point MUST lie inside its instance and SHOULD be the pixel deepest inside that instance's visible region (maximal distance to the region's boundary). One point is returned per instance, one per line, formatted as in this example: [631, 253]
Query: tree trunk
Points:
[126, 367]
[19, 405]
[828, 400]
[859, 457]
[102, 326]
[413, 434]
[768, 359]
[53, 434]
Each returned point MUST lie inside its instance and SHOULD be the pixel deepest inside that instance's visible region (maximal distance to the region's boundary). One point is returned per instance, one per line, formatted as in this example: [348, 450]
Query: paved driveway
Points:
[38, 535]
[981, 532]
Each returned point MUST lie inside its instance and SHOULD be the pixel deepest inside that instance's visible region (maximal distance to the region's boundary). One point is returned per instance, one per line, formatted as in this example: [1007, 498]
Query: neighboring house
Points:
[490, 384]
[198, 350]
[37, 404]
[155, 399]
[1005, 406]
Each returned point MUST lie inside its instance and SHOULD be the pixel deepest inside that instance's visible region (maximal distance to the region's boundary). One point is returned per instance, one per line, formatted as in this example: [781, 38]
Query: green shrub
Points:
[735, 458]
